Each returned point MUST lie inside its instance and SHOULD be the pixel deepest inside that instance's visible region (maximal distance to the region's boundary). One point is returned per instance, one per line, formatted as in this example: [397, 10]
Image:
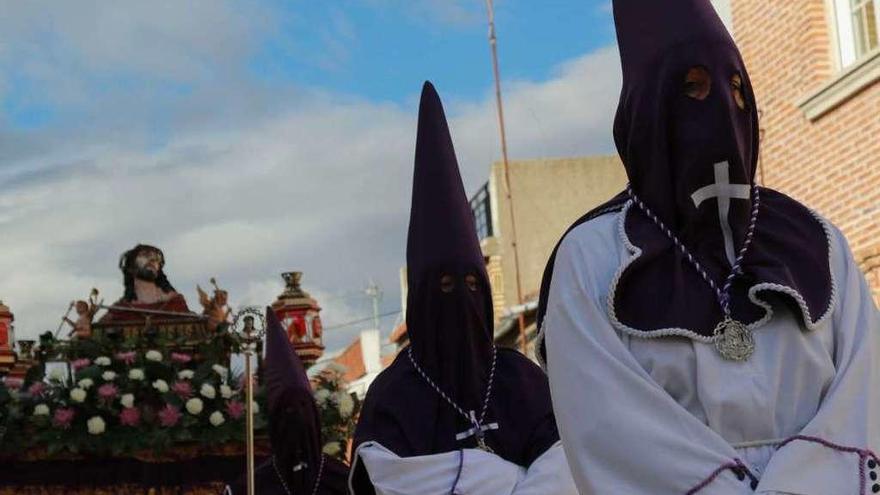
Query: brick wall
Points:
[832, 164]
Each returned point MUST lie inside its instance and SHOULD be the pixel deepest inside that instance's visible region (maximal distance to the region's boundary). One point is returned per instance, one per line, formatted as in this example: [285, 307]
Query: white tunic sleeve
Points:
[548, 475]
[622, 433]
[468, 471]
[832, 453]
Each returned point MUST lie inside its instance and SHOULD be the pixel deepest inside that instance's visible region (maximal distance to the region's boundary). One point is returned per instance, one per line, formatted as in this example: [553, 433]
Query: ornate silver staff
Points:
[245, 325]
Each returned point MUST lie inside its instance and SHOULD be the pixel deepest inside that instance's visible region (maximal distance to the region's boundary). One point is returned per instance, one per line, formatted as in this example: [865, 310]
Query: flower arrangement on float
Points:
[125, 399]
[338, 409]
[135, 397]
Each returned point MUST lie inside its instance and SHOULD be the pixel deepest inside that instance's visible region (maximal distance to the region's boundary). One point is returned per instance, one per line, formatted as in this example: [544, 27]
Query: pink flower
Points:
[182, 389]
[108, 391]
[126, 357]
[235, 409]
[130, 416]
[63, 417]
[78, 364]
[181, 358]
[14, 383]
[37, 388]
[169, 416]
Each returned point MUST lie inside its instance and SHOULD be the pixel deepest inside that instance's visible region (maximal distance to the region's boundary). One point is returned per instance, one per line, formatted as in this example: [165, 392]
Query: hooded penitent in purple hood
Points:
[450, 326]
[691, 153]
[294, 426]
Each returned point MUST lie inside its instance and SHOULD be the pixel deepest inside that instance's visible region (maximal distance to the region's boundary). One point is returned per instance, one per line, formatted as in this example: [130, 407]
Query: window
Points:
[482, 209]
[858, 28]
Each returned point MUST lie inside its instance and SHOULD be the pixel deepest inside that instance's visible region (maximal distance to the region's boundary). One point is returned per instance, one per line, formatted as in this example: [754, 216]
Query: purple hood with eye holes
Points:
[680, 155]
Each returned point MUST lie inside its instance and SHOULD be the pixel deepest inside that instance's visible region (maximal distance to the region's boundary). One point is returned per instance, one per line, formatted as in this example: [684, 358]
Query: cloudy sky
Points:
[250, 138]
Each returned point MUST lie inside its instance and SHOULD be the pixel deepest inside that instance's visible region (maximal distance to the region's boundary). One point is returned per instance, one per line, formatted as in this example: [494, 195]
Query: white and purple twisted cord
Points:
[722, 294]
[447, 398]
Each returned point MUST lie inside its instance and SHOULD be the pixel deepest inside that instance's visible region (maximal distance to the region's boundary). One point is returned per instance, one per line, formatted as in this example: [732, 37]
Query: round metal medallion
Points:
[734, 340]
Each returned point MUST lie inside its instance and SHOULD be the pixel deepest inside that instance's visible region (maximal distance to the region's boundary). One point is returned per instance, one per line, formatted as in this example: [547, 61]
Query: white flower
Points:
[127, 401]
[161, 386]
[78, 395]
[331, 448]
[136, 374]
[108, 376]
[96, 425]
[41, 410]
[186, 374]
[208, 391]
[220, 370]
[57, 374]
[153, 355]
[225, 391]
[346, 405]
[216, 418]
[85, 383]
[194, 406]
[102, 361]
[321, 396]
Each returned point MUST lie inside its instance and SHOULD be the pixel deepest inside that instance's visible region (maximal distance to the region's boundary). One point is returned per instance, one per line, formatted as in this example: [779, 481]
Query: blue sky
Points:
[251, 138]
[378, 50]
[382, 50]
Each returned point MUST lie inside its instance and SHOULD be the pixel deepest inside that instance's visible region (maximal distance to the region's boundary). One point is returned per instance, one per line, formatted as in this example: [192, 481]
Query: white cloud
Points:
[249, 181]
[159, 38]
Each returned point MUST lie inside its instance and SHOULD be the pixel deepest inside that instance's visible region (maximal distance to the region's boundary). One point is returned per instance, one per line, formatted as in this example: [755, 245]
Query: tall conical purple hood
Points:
[285, 374]
[294, 423]
[450, 325]
[441, 223]
[647, 30]
[668, 142]
[451, 333]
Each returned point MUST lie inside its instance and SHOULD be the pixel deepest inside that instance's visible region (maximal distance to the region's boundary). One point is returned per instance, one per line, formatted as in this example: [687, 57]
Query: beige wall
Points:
[548, 195]
[831, 161]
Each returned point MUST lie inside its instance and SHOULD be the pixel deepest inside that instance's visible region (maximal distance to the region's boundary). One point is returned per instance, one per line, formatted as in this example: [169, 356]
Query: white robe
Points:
[481, 473]
[659, 416]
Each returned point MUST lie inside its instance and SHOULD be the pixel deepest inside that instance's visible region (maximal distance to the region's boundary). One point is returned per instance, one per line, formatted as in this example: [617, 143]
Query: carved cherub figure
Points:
[215, 308]
[85, 311]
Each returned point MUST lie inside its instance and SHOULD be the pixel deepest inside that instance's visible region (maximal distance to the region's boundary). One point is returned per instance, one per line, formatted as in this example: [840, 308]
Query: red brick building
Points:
[362, 361]
[815, 67]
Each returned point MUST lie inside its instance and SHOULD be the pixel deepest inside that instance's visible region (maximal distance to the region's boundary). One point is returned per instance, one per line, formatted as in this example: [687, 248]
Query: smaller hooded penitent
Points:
[450, 325]
[294, 424]
[297, 463]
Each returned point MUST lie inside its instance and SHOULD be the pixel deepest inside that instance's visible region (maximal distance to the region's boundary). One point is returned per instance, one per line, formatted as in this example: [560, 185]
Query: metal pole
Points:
[374, 292]
[493, 42]
[249, 418]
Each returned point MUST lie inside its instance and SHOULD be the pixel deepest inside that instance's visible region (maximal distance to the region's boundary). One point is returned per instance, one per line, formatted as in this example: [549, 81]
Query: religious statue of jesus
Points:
[146, 287]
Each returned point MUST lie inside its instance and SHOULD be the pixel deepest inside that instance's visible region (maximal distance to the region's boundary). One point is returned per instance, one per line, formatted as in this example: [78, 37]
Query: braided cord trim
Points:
[449, 399]
[723, 293]
[736, 466]
[864, 454]
[284, 483]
